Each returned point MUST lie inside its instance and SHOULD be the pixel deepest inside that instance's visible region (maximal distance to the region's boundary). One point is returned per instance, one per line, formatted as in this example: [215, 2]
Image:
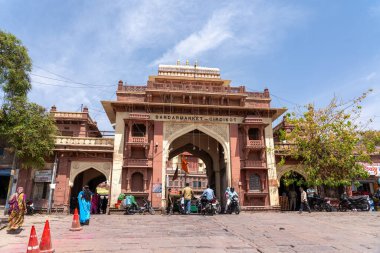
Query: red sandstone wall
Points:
[157, 162]
[235, 155]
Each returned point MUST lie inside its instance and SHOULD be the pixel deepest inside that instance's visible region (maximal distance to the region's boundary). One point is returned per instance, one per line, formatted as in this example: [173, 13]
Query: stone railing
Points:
[254, 164]
[84, 141]
[255, 144]
[138, 162]
[195, 88]
[281, 147]
[69, 115]
[132, 88]
[138, 140]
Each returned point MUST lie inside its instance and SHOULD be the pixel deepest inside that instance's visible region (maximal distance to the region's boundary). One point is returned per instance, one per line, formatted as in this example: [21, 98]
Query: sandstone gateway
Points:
[191, 109]
[182, 109]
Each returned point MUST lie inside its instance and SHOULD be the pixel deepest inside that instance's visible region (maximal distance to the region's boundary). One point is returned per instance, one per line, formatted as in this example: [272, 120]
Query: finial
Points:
[187, 62]
[178, 62]
[196, 63]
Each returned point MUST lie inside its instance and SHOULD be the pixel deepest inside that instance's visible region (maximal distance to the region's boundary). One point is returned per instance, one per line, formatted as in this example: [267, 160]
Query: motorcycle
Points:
[320, 204]
[209, 206]
[29, 207]
[146, 208]
[353, 204]
[234, 206]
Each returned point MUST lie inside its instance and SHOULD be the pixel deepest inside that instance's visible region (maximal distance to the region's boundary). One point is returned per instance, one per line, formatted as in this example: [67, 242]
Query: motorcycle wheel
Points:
[342, 208]
[151, 211]
[237, 210]
[328, 208]
[365, 207]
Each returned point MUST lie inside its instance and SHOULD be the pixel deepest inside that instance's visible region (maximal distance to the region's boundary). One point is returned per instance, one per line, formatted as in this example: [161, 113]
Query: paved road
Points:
[247, 232]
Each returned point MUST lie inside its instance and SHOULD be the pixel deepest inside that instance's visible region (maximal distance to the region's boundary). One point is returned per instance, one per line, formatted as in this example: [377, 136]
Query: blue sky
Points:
[303, 51]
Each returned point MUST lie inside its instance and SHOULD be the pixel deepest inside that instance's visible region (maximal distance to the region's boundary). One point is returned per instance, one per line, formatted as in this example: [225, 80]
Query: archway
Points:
[209, 150]
[290, 181]
[91, 177]
[137, 180]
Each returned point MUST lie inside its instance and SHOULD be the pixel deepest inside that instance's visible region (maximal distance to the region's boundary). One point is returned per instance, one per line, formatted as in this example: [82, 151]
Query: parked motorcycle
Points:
[353, 204]
[320, 204]
[234, 206]
[29, 207]
[181, 206]
[146, 208]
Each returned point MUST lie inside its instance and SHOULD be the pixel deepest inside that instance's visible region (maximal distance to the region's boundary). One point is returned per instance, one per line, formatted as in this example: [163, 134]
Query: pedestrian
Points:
[84, 201]
[104, 204]
[187, 195]
[95, 203]
[304, 201]
[17, 207]
[169, 208]
[292, 199]
[227, 194]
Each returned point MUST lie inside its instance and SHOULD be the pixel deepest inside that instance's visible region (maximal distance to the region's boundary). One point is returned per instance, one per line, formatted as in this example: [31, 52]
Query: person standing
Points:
[187, 195]
[304, 201]
[292, 199]
[104, 204]
[17, 208]
[169, 209]
[95, 203]
[84, 201]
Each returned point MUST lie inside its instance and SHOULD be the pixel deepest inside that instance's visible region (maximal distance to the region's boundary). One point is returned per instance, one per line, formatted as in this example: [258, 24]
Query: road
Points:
[247, 232]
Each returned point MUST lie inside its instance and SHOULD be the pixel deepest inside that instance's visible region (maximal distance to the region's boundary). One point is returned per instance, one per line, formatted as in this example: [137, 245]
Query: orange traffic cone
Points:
[33, 242]
[75, 226]
[45, 244]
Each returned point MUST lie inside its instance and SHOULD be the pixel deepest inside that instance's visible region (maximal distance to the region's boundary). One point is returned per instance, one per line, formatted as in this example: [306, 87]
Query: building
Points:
[192, 109]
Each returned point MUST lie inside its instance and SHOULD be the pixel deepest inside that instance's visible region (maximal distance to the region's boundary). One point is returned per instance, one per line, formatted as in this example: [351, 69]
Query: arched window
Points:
[254, 182]
[137, 184]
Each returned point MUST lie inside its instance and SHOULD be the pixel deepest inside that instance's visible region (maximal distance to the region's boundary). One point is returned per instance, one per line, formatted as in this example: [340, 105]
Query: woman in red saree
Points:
[17, 208]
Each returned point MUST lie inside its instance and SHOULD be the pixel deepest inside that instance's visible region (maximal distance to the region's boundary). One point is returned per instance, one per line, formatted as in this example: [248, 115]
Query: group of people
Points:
[208, 194]
[90, 203]
[293, 200]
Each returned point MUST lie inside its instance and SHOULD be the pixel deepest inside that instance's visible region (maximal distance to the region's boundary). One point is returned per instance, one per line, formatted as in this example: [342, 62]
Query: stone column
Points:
[117, 167]
[218, 184]
[271, 164]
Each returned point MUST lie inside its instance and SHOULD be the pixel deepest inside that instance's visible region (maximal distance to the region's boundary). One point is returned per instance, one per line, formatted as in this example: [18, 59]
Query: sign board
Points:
[5, 172]
[157, 188]
[373, 170]
[194, 118]
[42, 176]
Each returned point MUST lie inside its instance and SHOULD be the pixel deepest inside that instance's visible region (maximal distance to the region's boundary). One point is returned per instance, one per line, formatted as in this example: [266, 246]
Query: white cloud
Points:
[248, 27]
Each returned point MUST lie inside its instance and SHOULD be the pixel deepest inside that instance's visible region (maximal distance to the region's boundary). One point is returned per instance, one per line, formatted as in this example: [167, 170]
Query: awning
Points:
[5, 172]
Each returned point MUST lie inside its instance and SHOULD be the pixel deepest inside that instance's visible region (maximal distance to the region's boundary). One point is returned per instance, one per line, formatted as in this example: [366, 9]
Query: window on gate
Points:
[137, 182]
[138, 130]
[253, 134]
[254, 182]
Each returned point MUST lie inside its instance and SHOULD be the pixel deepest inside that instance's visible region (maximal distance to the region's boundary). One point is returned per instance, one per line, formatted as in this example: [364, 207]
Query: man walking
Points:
[304, 200]
[187, 195]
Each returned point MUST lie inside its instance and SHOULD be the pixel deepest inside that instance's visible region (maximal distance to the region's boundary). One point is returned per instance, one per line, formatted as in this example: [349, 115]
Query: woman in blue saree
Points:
[84, 202]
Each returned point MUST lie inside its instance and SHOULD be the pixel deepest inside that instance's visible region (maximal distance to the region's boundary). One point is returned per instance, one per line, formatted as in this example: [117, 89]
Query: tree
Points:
[25, 126]
[327, 142]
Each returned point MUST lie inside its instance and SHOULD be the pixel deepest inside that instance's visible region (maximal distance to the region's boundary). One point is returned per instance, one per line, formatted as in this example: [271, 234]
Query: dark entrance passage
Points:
[90, 177]
[290, 182]
[4, 184]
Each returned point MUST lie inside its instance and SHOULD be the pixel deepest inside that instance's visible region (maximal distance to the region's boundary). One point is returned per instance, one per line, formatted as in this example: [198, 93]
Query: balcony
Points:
[137, 141]
[249, 164]
[283, 148]
[142, 163]
[255, 144]
[83, 143]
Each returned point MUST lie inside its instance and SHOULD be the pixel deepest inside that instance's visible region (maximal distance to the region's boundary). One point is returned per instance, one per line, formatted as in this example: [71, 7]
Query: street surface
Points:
[247, 232]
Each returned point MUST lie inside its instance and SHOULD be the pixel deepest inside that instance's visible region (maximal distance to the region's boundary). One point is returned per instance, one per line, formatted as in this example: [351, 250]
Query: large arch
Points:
[78, 167]
[219, 132]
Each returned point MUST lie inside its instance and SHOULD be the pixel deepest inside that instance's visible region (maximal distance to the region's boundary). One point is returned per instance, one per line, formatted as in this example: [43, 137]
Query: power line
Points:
[73, 82]
[68, 86]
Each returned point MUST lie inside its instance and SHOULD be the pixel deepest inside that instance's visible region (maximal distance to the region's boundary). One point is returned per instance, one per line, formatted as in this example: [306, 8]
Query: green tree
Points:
[25, 126]
[327, 142]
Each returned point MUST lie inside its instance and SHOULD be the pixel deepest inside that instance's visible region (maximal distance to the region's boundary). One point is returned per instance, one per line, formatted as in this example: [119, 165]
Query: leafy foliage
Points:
[328, 144]
[15, 65]
[26, 127]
